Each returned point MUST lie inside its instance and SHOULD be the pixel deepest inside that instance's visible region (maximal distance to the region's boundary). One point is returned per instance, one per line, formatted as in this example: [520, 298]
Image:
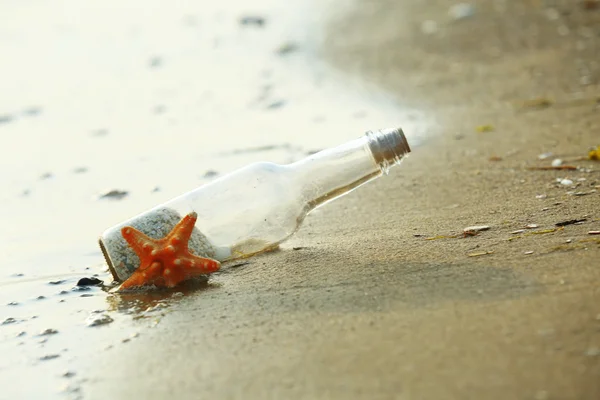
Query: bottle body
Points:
[255, 208]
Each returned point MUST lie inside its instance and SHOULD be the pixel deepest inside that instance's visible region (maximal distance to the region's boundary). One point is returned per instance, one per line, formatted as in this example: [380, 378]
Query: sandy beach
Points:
[380, 294]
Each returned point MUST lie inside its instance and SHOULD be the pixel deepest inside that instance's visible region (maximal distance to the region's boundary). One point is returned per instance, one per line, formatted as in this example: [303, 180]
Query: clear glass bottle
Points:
[255, 208]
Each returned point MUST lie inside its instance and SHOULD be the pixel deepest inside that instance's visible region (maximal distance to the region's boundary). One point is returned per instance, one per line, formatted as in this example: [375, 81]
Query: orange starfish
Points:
[166, 262]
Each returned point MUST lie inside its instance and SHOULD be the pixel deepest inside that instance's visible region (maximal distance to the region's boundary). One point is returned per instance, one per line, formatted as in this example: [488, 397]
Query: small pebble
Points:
[532, 226]
[68, 374]
[557, 162]
[114, 194]
[517, 231]
[476, 228]
[541, 196]
[13, 303]
[566, 182]
[253, 20]
[287, 48]
[528, 252]
[544, 156]
[97, 320]
[89, 282]
[58, 282]
[9, 320]
[48, 331]
[49, 357]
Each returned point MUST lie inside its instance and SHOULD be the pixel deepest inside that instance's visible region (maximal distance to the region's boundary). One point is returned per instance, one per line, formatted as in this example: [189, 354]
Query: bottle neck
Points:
[331, 173]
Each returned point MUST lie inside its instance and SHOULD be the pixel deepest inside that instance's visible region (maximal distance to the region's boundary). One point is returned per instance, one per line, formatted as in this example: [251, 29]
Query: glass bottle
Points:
[253, 209]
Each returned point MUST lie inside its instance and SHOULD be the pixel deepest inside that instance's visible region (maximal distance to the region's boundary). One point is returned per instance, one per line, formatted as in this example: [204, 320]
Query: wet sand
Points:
[368, 307]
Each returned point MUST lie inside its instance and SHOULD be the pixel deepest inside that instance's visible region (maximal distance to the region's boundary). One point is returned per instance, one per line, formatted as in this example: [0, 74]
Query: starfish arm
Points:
[199, 265]
[144, 275]
[139, 242]
[182, 232]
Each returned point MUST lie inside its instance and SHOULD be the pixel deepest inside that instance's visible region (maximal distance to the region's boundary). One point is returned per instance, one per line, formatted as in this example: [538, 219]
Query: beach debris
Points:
[557, 162]
[477, 228]
[96, 319]
[544, 156]
[57, 282]
[47, 332]
[566, 182]
[114, 194]
[570, 222]
[287, 48]
[276, 104]
[541, 196]
[210, 174]
[169, 262]
[495, 158]
[461, 11]
[594, 154]
[594, 233]
[484, 128]
[532, 226]
[48, 357]
[13, 303]
[538, 103]
[253, 20]
[89, 282]
[544, 231]
[480, 253]
[528, 252]
[550, 168]
[582, 193]
[517, 232]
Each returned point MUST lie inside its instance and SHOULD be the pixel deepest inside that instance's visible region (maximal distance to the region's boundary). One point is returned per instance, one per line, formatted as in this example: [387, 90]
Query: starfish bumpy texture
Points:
[166, 262]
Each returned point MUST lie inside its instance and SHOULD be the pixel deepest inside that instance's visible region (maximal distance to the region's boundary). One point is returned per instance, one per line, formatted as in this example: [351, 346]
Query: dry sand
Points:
[367, 307]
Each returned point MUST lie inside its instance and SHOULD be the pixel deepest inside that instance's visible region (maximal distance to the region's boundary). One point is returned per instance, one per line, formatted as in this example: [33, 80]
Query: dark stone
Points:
[89, 282]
